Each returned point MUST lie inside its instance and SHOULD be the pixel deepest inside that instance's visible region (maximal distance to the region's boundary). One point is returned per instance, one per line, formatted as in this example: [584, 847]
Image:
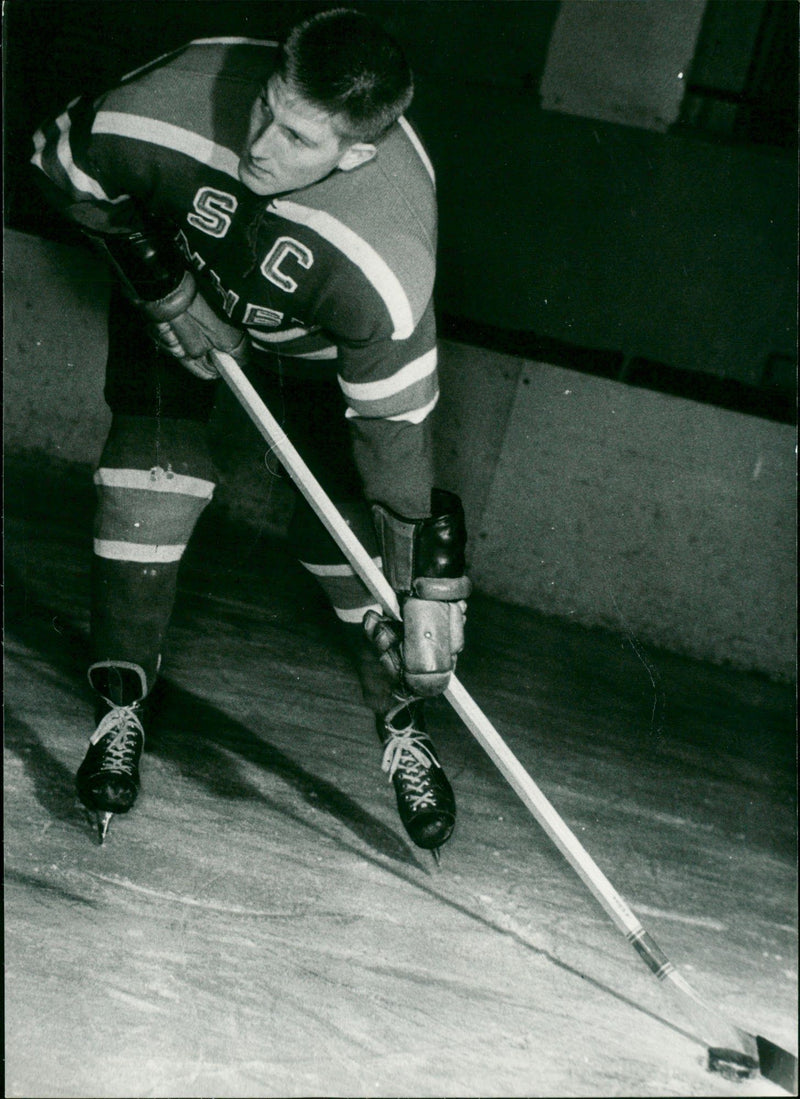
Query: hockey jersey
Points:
[335, 277]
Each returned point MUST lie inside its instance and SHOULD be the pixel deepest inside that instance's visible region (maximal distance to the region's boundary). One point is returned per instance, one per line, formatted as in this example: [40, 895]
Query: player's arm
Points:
[153, 275]
[421, 529]
[105, 191]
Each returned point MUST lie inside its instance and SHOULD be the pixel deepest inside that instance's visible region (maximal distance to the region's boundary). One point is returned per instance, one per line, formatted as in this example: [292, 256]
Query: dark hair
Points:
[345, 63]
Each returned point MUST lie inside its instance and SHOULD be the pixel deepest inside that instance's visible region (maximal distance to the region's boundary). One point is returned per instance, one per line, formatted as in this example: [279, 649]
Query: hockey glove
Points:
[154, 276]
[186, 326]
[424, 562]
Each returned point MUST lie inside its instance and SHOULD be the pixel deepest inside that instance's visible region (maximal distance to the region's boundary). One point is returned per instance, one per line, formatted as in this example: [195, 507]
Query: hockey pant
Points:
[156, 476]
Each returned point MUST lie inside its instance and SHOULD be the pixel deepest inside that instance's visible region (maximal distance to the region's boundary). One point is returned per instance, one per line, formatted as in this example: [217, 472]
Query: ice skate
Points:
[102, 821]
[108, 779]
[425, 799]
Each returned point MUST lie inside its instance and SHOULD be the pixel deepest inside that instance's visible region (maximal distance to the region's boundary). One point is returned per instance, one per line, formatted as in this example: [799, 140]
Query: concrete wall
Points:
[670, 521]
[665, 519]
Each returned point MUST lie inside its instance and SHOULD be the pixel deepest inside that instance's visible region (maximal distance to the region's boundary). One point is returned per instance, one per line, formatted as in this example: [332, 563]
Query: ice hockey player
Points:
[272, 202]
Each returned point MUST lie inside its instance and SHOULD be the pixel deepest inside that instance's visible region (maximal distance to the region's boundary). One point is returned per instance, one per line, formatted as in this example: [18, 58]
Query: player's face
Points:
[290, 142]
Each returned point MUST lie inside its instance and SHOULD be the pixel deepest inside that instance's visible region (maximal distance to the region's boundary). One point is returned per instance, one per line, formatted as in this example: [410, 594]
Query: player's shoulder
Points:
[229, 57]
[199, 77]
[381, 216]
[412, 152]
[205, 88]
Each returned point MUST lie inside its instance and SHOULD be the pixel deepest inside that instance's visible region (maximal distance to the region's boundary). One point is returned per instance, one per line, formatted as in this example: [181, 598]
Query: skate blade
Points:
[102, 822]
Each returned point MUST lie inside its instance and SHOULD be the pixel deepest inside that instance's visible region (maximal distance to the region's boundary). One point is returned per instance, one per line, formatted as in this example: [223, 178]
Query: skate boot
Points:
[425, 799]
[108, 779]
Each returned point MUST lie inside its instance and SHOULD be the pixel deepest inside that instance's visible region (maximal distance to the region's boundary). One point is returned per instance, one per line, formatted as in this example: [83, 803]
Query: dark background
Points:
[661, 259]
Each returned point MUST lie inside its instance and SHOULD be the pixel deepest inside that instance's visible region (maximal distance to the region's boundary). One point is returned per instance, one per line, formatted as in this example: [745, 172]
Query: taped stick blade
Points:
[747, 1051]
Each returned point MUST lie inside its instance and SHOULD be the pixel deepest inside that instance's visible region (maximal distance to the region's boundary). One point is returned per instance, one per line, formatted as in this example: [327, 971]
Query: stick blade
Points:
[777, 1064]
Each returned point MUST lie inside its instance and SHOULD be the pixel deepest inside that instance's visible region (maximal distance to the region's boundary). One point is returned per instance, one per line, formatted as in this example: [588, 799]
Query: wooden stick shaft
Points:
[710, 1024]
[302, 476]
[458, 697]
[466, 707]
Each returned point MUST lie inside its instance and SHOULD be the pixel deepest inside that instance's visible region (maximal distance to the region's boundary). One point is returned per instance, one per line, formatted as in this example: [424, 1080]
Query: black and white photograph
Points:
[400, 553]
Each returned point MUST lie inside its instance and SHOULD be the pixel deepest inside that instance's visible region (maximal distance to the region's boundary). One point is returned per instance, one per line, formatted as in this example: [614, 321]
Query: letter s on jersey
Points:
[213, 211]
[283, 247]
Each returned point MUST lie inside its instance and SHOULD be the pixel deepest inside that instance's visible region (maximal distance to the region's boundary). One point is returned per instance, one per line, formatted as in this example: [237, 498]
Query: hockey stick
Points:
[732, 1051]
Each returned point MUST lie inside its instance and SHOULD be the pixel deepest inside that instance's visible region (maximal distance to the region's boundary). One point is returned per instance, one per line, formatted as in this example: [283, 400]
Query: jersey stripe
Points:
[356, 249]
[176, 138]
[408, 130]
[335, 570]
[416, 415]
[233, 41]
[323, 353]
[412, 416]
[143, 479]
[134, 551]
[345, 590]
[282, 336]
[81, 183]
[54, 169]
[364, 392]
[304, 343]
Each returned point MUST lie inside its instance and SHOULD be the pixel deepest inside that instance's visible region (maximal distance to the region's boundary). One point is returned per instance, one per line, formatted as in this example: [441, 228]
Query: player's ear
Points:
[356, 155]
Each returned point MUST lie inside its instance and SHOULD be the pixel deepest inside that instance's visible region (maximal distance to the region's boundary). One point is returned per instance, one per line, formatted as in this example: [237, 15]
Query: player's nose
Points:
[262, 142]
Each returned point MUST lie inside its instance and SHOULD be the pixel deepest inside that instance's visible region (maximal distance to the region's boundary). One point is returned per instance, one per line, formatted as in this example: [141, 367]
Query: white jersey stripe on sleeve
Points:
[363, 255]
[413, 416]
[279, 336]
[150, 65]
[168, 136]
[407, 375]
[81, 182]
[408, 130]
[79, 179]
[39, 146]
[39, 143]
[417, 415]
[269, 347]
[323, 353]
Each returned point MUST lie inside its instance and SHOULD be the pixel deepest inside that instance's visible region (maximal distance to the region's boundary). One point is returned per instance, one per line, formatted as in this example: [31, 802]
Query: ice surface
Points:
[259, 924]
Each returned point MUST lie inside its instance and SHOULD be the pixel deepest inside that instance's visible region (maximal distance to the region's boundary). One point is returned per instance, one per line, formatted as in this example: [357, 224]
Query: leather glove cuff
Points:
[149, 263]
[426, 556]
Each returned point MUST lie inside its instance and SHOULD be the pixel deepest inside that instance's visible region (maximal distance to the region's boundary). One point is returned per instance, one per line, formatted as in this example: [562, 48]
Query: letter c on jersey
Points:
[283, 247]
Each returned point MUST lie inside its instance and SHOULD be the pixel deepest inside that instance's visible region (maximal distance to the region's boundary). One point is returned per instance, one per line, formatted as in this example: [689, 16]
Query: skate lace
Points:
[409, 751]
[123, 728]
